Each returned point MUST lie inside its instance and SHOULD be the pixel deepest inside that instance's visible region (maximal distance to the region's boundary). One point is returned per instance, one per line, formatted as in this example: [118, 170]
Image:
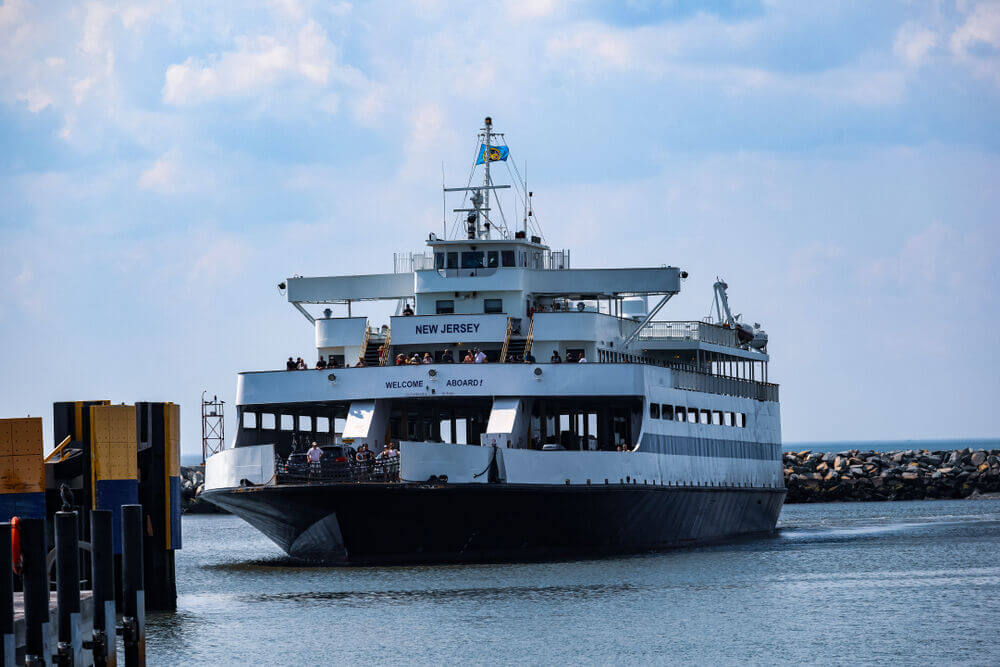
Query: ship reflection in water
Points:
[831, 570]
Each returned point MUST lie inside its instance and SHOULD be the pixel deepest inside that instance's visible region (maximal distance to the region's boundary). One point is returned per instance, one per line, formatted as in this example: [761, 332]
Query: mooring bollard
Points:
[36, 592]
[103, 584]
[9, 649]
[133, 628]
[68, 589]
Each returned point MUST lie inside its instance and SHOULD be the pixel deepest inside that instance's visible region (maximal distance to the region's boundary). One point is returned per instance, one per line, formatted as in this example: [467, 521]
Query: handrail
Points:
[531, 335]
[506, 340]
[58, 449]
[364, 342]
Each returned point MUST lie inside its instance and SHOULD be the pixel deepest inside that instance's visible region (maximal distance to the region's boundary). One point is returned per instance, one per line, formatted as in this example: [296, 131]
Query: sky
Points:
[163, 165]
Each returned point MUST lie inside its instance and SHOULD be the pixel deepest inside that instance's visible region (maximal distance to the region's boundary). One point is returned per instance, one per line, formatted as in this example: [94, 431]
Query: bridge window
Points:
[322, 424]
[492, 305]
[680, 413]
[692, 415]
[728, 419]
[741, 419]
[305, 423]
[492, 259]
[249, 420]
[445, 306]
[668, 412]
[654, 410]
[472, 260]
[452, 260]
[716, 418]
[706, 416]
[439, 260]
[287, 422]
[267, 421]
[507, 258]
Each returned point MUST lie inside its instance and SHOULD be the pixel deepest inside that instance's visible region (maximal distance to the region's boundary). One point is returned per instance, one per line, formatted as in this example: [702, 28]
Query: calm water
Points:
[911, 582]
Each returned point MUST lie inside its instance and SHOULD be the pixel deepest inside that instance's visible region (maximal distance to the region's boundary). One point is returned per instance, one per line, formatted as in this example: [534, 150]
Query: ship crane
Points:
[754, 336]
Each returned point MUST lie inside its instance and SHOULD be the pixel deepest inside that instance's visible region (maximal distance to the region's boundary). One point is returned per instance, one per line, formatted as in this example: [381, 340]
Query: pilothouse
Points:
[513, 407]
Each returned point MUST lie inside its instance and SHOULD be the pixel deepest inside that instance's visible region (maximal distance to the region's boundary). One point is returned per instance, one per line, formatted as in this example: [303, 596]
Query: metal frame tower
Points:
[213, 426]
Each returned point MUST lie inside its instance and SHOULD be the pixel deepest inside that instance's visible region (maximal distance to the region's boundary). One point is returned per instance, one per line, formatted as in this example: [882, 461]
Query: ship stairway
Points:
[371, 355]
[514, 346]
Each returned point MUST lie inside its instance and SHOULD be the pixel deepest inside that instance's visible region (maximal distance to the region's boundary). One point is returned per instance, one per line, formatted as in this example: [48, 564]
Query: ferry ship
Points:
[584, 424]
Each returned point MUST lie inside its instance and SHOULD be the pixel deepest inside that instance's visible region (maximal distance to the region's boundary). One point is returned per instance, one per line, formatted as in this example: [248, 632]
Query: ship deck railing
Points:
[381, 470]
[690, 330]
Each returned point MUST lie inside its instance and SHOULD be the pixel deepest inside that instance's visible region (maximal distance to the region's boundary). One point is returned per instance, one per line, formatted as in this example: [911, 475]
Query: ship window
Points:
[445, 306]
[680, 413]
[287, 422]
[692, 415]
[741, 419]
[507, 258]
[267, 421]
[668, 412]
[717, 418]
[706, 416]
[727, 419]
[439, 260]
[452, 260]
[249, 420]
[305, 423]
[472, 260]
[654, 410]
[492, 305]
[322, 424]
[492, 259]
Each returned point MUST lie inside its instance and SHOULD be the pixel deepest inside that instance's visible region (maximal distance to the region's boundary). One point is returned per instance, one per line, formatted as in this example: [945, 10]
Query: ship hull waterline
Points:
[377, 523]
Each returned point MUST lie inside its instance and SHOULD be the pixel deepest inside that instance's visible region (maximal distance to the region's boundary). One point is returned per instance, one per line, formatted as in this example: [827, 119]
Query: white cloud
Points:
[982, 27]
[913, 43]
[160, 177]
[532, 9]
[254, 67]
[36, 99]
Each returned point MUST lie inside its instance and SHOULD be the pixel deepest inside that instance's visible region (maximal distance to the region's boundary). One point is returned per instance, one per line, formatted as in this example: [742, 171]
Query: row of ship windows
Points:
[681, 413]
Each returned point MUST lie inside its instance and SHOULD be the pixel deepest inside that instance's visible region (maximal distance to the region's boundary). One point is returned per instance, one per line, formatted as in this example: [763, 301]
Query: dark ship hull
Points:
[373, 523]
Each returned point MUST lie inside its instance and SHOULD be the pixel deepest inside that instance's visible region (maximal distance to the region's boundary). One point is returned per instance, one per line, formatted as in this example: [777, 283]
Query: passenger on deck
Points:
[321, 364]
[570, 359]
[290, 364]
[393, 452]
[480, 357]
[361, 363]
[428, 359]
[468, 358]
[446, 358]
[407, 311]
[415, 359]
[582, 359]
[529, 358]
[400, 360]
[556, 359]
[300, 365]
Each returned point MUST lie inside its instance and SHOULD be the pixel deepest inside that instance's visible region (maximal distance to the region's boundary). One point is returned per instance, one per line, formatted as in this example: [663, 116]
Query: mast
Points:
[487, 131]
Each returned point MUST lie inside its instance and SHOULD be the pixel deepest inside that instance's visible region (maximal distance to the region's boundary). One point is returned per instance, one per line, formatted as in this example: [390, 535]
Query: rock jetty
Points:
[913, 474]
[192, 484]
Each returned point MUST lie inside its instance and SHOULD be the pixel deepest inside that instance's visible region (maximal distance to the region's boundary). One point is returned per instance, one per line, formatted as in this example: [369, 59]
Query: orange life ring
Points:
[15, 544]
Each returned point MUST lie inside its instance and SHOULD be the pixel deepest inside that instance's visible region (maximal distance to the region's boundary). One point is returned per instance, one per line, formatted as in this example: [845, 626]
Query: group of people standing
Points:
[570, 358]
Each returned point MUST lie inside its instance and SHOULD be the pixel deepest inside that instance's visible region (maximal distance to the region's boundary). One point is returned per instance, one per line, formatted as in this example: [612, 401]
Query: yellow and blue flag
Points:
[496, 153]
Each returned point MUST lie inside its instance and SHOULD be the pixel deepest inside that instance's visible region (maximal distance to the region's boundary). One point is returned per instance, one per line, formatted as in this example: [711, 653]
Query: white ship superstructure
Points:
[585, 390]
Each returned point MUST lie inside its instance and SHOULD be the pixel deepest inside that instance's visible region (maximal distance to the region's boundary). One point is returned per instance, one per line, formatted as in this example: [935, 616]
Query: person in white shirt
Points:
[314, 455]
[582, 359]
[480, 357]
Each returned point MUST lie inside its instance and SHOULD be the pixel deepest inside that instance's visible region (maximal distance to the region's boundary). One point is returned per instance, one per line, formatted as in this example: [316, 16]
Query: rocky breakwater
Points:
[902, 475]
[192, 484]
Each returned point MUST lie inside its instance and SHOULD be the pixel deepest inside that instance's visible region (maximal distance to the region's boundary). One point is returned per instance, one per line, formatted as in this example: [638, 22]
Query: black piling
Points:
[8, 651]
[133, 600]
[103, 582]
[68, 588]
[36, 592]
